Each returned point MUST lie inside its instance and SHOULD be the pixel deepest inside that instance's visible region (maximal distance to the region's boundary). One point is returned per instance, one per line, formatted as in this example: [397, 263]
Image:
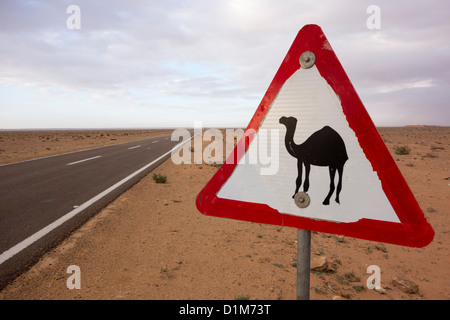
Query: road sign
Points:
[330, 170]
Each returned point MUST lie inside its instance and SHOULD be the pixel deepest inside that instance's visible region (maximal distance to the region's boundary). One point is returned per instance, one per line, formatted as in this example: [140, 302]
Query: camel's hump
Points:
[328, 128]
[325, 136]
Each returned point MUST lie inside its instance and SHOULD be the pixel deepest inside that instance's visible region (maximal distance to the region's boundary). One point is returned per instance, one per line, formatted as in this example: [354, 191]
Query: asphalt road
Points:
[43, 200]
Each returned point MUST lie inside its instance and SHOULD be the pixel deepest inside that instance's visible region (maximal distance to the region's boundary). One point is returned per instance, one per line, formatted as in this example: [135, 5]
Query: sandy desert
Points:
[152, 243]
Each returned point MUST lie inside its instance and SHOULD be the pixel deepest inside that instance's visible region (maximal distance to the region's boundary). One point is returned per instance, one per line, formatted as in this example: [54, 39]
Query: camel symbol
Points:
[323, 148]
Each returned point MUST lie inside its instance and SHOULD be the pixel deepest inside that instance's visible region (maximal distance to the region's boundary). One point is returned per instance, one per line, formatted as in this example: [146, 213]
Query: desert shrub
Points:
[430, 155]
[359, 288]
[402, 150]
[159, 178]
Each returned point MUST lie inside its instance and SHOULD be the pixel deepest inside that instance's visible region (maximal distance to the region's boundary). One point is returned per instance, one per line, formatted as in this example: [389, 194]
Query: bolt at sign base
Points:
[302, 199]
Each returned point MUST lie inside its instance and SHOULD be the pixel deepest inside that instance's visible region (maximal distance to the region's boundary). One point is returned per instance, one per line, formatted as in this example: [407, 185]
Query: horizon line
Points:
[189, 127]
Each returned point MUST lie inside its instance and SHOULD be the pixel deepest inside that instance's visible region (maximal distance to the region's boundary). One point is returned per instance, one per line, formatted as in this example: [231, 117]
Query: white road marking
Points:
[65, 153]
[69, 164]
[41, 233]
[155, 141]
[134, 147]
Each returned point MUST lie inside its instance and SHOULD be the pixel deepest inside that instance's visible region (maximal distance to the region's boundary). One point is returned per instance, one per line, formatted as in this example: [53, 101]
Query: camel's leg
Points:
[339, 186]
[306, 183]
[298, 182]
[332, 173]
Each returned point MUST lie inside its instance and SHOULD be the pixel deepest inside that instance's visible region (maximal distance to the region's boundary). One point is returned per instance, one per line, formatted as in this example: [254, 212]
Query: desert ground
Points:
[152, 243]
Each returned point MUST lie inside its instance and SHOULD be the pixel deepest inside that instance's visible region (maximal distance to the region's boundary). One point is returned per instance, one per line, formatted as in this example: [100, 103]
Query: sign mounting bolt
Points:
[307, 59]
[302, 199]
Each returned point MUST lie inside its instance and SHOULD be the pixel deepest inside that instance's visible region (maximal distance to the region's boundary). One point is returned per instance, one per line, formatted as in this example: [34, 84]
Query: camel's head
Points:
[289, 122]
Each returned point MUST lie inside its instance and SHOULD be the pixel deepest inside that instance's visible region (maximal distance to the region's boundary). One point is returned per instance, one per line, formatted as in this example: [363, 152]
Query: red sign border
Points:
[413, 229]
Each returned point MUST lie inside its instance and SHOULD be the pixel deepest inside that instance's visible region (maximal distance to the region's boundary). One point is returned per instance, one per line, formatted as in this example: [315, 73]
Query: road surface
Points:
[43, 200]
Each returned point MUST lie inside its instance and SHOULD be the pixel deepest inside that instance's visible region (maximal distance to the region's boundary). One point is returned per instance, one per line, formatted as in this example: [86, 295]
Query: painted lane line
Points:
[134, 147]
[66, 153]
[72, 163]
[155, 141]
[55, 224]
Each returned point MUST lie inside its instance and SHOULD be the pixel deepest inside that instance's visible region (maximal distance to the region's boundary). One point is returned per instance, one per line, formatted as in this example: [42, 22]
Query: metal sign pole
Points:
[303, 263]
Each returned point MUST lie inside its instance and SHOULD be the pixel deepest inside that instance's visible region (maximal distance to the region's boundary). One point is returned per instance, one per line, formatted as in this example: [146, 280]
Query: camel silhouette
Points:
[323, 148]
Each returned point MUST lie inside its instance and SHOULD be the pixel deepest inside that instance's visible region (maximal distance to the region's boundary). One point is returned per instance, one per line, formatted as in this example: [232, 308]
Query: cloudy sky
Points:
[170, 63]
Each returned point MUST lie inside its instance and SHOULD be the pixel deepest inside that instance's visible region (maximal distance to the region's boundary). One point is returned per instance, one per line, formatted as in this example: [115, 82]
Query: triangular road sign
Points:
[326, 167]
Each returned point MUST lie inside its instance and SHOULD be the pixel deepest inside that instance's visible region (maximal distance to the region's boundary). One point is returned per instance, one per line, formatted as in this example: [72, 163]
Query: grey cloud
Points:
[154, 46]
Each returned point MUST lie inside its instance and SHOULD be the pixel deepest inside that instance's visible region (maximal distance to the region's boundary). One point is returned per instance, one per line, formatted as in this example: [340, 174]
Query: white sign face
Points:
[307, 97]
